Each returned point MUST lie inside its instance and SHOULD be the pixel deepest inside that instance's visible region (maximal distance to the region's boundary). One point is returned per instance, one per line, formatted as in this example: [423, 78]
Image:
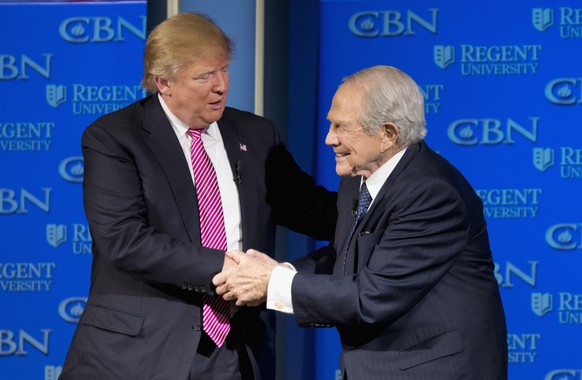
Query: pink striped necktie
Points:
[216, 311]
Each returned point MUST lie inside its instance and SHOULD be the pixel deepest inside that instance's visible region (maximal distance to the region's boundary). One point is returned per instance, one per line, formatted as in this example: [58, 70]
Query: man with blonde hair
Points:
[171, 183]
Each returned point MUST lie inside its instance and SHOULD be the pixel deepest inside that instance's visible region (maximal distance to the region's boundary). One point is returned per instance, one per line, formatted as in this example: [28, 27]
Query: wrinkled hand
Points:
[246, 282]
[229, 265]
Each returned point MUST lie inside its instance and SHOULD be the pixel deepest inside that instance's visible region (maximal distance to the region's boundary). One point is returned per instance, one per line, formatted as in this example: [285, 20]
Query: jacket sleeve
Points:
[127, 232]
[320, 261]
[297, 202]
[416, 241]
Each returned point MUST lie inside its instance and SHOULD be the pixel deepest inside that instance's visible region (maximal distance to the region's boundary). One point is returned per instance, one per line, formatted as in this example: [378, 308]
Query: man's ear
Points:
[164, 86]
[390, 135]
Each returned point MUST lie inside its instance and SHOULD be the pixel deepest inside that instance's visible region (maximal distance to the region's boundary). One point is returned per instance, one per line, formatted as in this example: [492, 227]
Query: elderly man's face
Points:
[356, 151]
[197, 93]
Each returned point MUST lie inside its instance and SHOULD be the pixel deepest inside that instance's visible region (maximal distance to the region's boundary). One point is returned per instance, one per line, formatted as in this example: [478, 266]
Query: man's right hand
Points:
[247, 282]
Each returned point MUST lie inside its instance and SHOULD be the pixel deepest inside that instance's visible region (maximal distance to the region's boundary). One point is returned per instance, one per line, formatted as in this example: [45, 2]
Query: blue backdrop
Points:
[503, 93]
[61, 66]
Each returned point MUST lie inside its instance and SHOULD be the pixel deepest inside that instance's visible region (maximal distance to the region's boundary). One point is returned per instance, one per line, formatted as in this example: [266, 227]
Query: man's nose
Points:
[331, 138]
[220, 82]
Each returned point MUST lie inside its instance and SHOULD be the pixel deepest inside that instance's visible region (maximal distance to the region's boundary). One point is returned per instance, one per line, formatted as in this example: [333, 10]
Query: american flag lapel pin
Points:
[242, 147]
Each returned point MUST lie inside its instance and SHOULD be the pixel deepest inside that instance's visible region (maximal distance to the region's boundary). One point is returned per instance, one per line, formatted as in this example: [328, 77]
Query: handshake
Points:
[245, 277]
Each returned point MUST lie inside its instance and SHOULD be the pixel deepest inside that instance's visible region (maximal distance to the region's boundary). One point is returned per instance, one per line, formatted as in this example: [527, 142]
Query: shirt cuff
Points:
[279, 290]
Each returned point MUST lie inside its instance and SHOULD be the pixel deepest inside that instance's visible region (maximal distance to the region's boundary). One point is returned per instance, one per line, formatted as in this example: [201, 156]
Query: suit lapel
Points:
[159, 136]
[376, 211]
[237, 145]
[234, 143]
[378, 206]
[348, 197]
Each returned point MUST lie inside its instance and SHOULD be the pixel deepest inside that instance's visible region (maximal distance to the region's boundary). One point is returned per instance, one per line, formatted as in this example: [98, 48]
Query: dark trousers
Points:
[229, 362]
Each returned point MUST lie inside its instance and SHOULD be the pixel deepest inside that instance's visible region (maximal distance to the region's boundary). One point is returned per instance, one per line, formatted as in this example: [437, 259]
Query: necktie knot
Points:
[195, 134]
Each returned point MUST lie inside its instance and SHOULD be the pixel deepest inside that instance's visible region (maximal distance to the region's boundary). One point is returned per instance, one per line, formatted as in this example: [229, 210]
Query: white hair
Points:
[390, 95]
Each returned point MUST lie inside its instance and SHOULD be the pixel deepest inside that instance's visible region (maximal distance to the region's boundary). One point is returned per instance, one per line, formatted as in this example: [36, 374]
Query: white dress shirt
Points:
[214, 146]
[279, 289]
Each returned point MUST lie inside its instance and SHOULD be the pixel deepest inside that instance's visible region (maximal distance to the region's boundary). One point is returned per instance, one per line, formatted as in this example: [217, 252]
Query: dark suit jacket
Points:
[143, 316]
[419, 299]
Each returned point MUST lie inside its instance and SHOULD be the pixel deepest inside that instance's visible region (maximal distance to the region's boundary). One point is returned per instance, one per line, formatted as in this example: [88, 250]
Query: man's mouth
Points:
[215, 105]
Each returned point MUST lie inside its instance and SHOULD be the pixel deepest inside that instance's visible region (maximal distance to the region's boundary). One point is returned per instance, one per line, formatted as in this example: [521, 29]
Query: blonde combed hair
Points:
[178, 42]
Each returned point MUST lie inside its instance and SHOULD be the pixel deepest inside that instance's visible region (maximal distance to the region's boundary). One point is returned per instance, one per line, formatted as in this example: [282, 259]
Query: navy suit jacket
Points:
[143, 315]
[419, 299]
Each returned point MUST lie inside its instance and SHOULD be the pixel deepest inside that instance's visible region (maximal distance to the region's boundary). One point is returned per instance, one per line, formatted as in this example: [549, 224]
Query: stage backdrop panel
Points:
[61, 67]
[503, 100]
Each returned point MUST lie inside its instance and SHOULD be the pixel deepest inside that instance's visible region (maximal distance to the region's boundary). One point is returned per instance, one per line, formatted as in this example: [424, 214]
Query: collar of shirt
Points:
[377, 179]
[180, 128]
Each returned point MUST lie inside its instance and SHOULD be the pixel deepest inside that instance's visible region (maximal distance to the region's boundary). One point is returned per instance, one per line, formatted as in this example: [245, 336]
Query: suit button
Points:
[196, 326]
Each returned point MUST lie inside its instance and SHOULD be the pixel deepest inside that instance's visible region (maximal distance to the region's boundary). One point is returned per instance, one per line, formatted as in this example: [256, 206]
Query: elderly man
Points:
[410, 286]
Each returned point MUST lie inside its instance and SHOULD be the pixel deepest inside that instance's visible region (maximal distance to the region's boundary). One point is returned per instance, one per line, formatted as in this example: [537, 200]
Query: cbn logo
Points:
[564, 91]
[72, 169]
[491, 131]
[506, 275]
[16, 67]
[542, 18]
[564, 374]
[71, 309]
[565, 236]
[390, 23]
[18, 201]
[82, 30]
[15, 343]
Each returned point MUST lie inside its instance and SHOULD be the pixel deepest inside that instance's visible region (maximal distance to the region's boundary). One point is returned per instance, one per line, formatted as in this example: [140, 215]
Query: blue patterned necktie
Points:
[364, 201]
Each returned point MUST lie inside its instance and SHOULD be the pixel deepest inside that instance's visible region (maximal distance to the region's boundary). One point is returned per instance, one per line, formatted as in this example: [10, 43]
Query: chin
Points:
[215, 116]
[343, 172]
